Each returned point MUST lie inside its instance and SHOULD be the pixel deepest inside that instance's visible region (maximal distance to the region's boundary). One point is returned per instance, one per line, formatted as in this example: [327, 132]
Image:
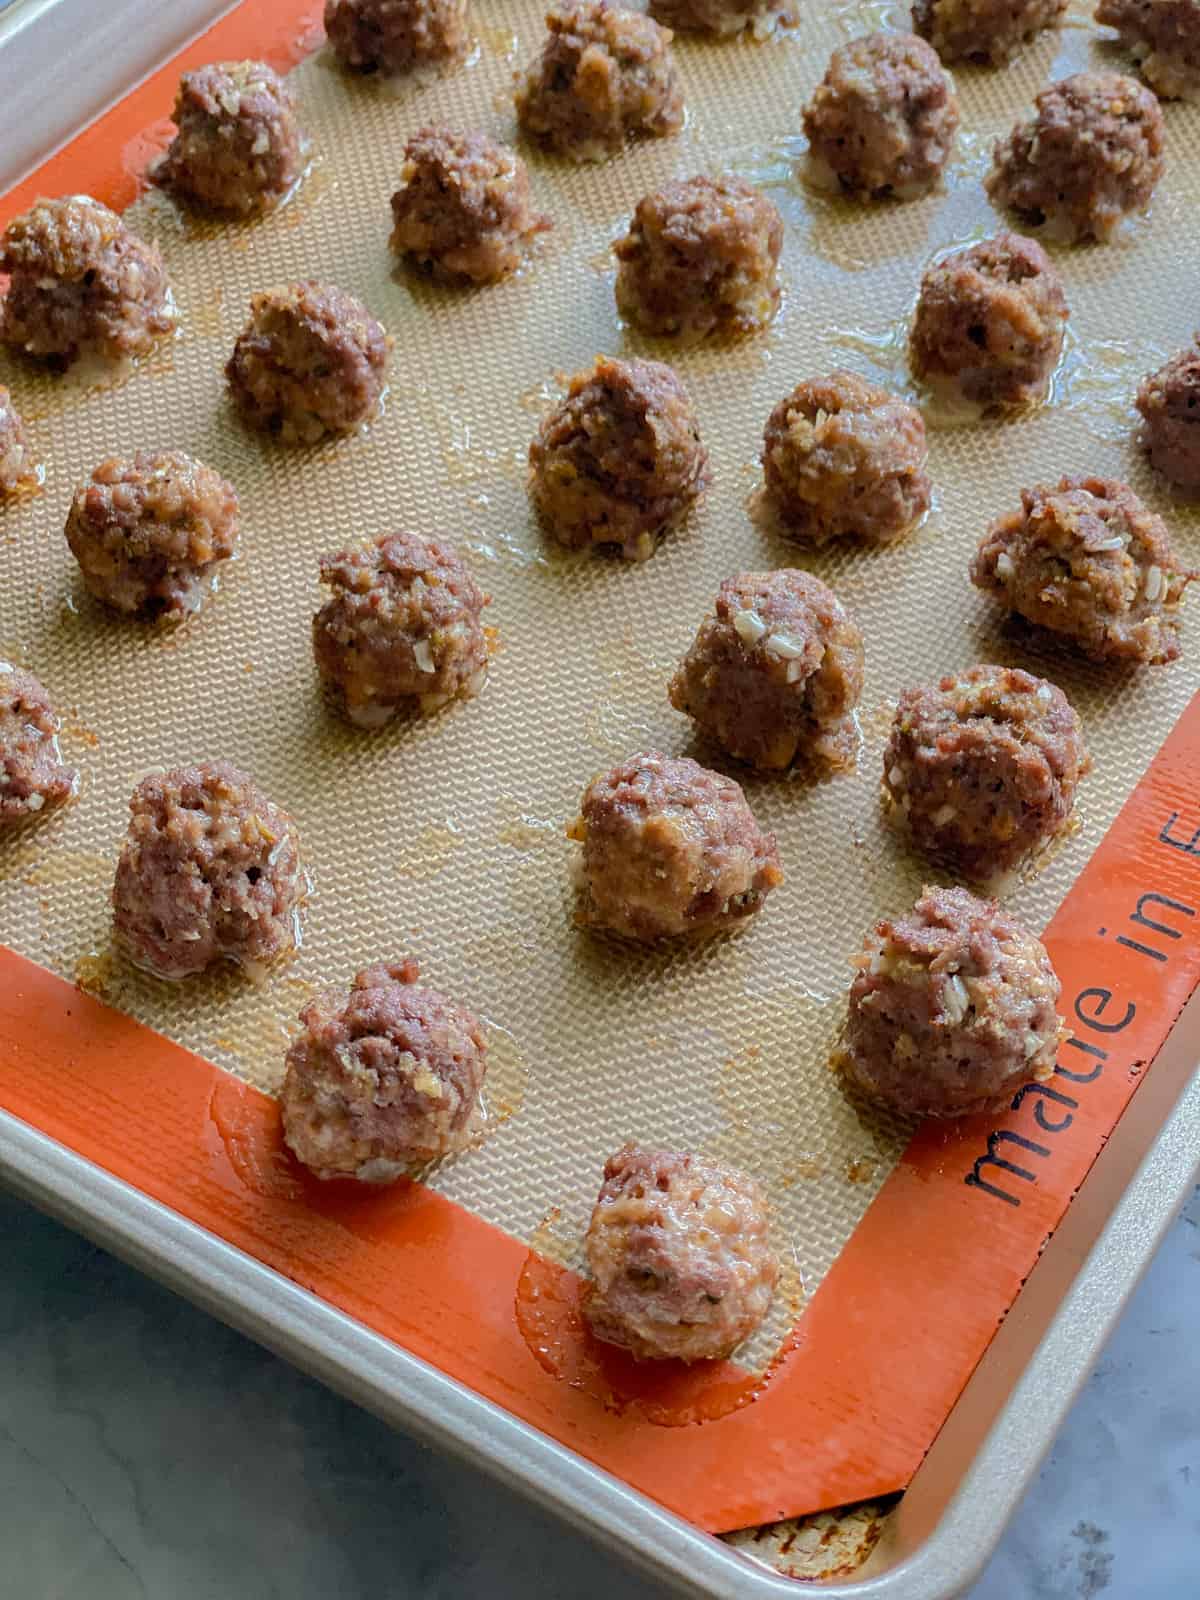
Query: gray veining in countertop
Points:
[147, 1451]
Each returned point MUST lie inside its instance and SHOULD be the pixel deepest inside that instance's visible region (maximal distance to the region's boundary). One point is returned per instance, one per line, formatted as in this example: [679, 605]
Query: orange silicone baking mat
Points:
[445, 839]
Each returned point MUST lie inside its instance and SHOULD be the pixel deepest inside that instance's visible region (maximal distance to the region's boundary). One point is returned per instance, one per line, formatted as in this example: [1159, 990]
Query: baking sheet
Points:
[452, 848]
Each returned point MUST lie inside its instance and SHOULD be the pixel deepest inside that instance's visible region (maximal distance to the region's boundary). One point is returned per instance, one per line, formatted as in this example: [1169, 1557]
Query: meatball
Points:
[386, 1079]
[401, 630]
[725, 17]
[984, 766]
[682, 1268]
[463, 207]
[701, 257]
[990, 319]
[670, 848]
[952, 1009]
[239, 148]
[1086, 559]
[604, 75]
[1090, 156]
[1164, 36]
[18, 470]
[844, 458]
[988, 31]
[883, 119]
[32, 776]
[619, 460]
[148, 533]
[394, 36]
[80, 281]
[210, 871]
[311, 361]
[1169, 401]
[775, 671]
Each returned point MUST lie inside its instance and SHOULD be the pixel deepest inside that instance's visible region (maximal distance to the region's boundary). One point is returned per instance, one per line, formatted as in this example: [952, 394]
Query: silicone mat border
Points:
[835, 1424]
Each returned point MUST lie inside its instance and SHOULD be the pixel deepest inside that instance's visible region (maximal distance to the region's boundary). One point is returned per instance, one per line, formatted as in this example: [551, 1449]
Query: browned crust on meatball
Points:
[1164, 36]
[1169, 401]
[952, 1009]
[1087, 560]
[670, 849]
[990, 318]
[311, 361]
[1090, 155]
[726, 17]
[984, 766]
[394, 36]
[79, 281]
[401, 630]
[682, 1266]
[383, 1079]
[149, 532]
[32, 776]
[604, 75]
[19, 474]
[884, 117]
[463, 208]
[843, 458]
[701, 257]
[775, 672]
[619, 460]
[987, 31]
[210, 871]
[238, 149]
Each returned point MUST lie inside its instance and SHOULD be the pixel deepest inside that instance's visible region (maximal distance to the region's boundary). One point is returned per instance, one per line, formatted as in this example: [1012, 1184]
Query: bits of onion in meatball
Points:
[988, 31]
[984, 766]
[210, 871]
[618, 461]
[401, 630]
[990, 321]
[395, 36]
[682, 1267]
[18, 470]
[1087, 560]
[387, 1079]
[670, 848]
[80, 281]
[32, 776]
[952, 1009]
[1090, 156]
[1164, 36]
[239, 149]
[775, 672]
[604, 75]
[1169, 401]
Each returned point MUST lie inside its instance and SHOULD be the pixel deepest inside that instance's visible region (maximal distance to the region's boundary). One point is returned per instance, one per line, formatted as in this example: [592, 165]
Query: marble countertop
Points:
[147, 1451]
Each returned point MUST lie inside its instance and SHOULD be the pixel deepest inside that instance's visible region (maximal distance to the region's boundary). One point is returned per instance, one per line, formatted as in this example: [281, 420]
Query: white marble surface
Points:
[147, 1451]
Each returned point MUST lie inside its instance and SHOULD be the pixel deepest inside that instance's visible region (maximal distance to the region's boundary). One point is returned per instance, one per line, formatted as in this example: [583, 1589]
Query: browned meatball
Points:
[842, 458]
[1164, 36]
[32, 776]
[79, 281]
[619, 460]
[385, 1080]
[990, 320]
[953, 1008]
[312, 360]
[725, 17]
[701, 257]
[682, 1266]
[210, 871]
[990, 31]
[604, 75]
[1169, 401]
[393, 36]
[239, 148]
[1090, 156]
[18, 470]
[984, 766]
[463, 206]
[775, 672]
[1086, 559]
[883, 119]
[401, 630]
[149, 532]
[670, 848]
